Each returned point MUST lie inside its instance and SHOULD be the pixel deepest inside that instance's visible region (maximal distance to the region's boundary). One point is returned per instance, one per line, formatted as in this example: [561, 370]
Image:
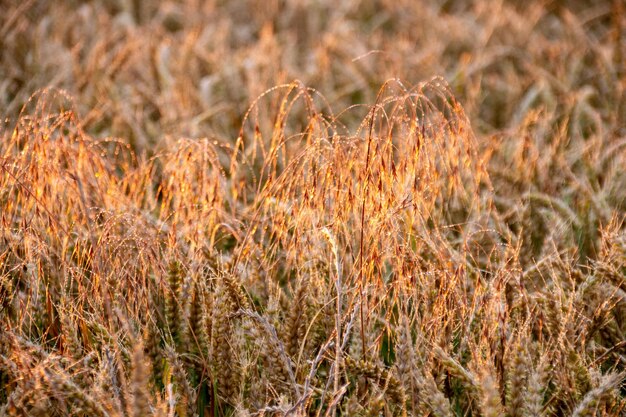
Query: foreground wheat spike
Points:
[536, 388]
[295, 327]
[489, 394]
[139, 384]
[223, 357]
[186, 404]
[594, 398]
[516, 394]
[173, 306]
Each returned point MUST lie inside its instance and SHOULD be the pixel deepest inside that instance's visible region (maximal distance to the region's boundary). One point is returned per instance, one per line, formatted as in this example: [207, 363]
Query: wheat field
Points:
[313, 208]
